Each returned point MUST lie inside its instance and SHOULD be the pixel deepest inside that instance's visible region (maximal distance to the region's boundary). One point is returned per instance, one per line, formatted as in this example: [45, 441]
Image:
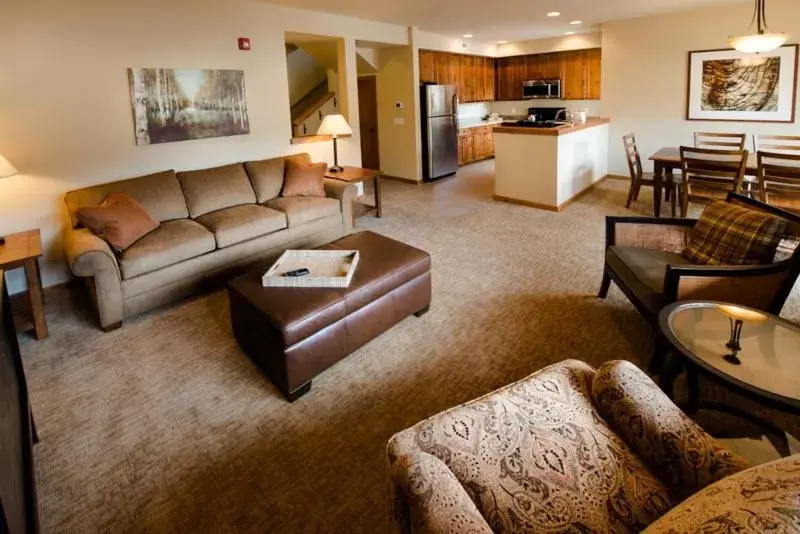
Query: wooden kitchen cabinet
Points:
[475, 144]
[594, 68]
[427, 66]
[578, 70]
[473, 76]
[573, 83]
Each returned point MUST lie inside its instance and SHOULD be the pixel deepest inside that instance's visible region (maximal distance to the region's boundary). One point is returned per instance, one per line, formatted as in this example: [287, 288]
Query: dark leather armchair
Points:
[643, 258]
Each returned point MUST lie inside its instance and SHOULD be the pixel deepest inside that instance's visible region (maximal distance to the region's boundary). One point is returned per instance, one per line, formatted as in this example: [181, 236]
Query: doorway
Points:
[368, 121]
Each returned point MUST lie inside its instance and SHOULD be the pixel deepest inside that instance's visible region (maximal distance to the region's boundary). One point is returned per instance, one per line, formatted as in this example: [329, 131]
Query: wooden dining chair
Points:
[783, 144]
[638, 176]
[779, 180]
[710, 174]
[721, 141]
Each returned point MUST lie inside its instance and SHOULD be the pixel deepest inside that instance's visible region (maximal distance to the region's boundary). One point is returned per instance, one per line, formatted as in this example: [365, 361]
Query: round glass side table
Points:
[751, 352]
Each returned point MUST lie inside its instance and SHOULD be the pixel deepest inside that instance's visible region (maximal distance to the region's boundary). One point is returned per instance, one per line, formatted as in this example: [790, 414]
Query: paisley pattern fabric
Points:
[436, 501]
[673, 446]
[537, 456]
[762, 499]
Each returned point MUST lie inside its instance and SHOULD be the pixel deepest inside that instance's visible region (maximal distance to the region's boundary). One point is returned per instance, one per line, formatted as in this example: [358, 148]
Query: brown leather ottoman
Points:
[293, 334]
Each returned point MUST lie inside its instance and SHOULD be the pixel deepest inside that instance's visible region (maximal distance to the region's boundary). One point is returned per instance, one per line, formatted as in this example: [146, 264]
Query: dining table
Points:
[666, 160]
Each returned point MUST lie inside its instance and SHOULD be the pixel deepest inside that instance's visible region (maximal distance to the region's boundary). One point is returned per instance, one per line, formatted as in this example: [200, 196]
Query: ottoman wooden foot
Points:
[422, 311]
[299, 392]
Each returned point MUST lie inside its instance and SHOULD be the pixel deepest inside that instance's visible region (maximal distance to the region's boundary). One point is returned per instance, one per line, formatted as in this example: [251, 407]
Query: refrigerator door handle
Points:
[455, 111]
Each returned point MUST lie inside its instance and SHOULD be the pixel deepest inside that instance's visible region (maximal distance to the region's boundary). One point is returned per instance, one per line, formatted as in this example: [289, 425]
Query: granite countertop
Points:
[465, 124]
[561, 130]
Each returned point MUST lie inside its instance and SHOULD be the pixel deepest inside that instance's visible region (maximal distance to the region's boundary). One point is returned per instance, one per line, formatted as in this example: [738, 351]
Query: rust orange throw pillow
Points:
[120, 220]
[304, 179]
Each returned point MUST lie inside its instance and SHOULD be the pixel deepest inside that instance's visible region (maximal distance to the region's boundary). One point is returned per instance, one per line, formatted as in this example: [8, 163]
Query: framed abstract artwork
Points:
[728, 85]
[182, 104]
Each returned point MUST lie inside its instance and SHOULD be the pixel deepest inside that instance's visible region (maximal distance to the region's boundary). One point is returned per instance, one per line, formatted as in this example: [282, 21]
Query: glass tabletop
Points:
[769, 355]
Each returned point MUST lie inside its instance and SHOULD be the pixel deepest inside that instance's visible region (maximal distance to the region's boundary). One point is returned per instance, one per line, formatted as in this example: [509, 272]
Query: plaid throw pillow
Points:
[727, 234]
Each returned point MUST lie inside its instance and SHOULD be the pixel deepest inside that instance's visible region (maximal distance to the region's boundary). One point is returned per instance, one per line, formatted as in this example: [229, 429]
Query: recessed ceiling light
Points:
[554, 14]
[569, 33]
[468, 36]
[502, 42]
[576, 22]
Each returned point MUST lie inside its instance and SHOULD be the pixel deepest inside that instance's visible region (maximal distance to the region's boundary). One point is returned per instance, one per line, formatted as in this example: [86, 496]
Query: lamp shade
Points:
[758, 42]
[6, 169]
[335, 125]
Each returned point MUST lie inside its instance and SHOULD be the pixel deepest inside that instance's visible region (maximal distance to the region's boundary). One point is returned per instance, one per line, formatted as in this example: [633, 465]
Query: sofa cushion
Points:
[173, 242]
[673, 446]
[304, 179]
[159, 194]
[120, 220]
[727, 234]
[761, 499]
[437, 501]
[242, 223]
[214, 189]
[536, 456]
[643, 271]
[300, 210]
[267, 175]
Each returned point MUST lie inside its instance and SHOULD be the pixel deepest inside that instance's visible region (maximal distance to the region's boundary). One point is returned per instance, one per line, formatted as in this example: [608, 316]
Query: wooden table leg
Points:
[378, 207]
[669, 184]
[36, 296]
[658, 186]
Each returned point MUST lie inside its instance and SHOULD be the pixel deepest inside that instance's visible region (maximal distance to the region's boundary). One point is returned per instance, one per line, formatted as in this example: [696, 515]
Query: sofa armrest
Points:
[669, 235]
[761, 499]
[764, 287]
[673, 447]
[433, 497]
[346, 193]
[89, 256]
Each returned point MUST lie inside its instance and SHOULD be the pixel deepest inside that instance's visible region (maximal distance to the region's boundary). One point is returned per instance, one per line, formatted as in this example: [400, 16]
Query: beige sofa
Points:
[571, 449]
[213, 221]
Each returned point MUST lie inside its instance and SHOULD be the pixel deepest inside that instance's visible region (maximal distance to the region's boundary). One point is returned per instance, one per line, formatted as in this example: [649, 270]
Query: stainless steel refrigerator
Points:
[439, 105]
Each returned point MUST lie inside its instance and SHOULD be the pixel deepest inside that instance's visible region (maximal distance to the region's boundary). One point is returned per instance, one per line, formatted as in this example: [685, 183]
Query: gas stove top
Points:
[537, 124]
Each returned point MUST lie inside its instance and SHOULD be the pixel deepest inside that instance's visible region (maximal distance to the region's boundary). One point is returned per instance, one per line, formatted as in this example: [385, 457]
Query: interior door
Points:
[368, 121]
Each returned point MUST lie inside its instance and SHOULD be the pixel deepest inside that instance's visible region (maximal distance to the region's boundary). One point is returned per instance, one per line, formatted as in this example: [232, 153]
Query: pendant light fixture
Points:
[763, 40]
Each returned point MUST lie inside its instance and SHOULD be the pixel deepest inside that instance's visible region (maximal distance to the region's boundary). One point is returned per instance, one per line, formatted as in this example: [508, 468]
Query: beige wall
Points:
[556, 44]
[432, 41]
[397, 128]
[645, 73]
[66, 118]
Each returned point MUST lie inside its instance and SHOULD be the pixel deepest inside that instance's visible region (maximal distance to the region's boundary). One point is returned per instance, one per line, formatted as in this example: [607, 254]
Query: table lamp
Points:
[6, 170]
[335, 126]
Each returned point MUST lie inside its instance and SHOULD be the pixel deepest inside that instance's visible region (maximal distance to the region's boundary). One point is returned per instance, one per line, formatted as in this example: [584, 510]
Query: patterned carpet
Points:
[165, 426]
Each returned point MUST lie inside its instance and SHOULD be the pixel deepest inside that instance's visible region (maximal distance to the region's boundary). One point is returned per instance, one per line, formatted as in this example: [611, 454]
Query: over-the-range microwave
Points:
[541, 89]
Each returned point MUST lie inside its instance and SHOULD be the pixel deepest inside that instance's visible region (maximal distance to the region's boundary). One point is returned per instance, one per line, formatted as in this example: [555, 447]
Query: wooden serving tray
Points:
[329, 268]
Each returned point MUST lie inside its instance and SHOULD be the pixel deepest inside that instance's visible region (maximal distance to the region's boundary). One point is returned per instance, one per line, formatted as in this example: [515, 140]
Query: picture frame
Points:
[728, 85]
[172, 105]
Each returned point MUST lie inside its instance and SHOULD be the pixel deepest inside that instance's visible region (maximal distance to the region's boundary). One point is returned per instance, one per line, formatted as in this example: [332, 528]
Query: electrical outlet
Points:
[513, 111]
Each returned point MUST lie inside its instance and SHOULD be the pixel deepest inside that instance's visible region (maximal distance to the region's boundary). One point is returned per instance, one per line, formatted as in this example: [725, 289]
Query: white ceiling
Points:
[493, 20]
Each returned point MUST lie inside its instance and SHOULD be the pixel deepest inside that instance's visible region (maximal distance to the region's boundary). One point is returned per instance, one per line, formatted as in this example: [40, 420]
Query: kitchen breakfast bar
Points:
[547, 168]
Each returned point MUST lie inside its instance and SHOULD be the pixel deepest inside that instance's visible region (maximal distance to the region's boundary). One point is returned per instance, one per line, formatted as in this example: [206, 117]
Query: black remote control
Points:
[298, 273]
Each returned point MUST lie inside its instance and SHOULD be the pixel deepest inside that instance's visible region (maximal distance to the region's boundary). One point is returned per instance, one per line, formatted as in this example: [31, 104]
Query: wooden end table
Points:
[354, 175]
[765, 366]
[23, 250]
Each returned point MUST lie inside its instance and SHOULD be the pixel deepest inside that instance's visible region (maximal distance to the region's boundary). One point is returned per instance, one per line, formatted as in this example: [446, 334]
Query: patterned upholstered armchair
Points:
[569, 449]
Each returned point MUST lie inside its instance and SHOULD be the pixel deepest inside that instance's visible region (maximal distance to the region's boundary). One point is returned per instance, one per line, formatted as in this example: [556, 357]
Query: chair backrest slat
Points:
[707, 171]
[789, 144]
[729, 140]
[633, 157]
[779, 179]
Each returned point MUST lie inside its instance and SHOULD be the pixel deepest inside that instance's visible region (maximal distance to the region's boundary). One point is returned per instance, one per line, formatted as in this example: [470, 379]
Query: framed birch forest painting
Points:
[183, 104]
[728, 85]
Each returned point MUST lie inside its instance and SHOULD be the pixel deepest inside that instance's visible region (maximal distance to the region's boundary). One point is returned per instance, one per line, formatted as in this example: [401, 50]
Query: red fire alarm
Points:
[244, 43]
